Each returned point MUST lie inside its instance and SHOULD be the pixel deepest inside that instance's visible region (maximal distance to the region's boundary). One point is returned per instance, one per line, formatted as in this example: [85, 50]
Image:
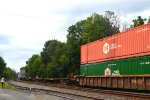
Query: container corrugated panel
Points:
[135, 42]
[84, 54]
[129, 66]
[94, 49]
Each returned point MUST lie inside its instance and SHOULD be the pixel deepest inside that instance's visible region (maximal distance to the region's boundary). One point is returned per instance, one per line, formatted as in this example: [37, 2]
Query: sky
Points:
[25, 25]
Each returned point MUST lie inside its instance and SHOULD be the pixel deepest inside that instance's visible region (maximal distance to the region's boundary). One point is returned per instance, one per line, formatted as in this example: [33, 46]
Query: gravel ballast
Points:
[90, 94]
[6, 94]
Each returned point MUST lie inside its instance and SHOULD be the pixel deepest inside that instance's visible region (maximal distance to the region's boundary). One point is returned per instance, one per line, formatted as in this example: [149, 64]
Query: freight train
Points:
[118, 61]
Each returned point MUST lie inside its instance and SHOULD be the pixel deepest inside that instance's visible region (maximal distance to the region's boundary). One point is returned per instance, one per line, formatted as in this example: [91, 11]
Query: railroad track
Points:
[134, 95]
[66, 96]
[131, 95]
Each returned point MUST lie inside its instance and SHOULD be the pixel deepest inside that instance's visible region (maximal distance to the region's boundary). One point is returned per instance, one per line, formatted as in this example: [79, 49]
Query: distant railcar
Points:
[21, 74]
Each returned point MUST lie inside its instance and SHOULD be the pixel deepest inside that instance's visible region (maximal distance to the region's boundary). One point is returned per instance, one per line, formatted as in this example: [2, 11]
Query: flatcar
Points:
[118, 61]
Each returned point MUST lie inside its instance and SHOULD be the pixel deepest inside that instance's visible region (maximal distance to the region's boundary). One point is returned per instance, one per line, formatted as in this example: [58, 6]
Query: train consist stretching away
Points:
[118, 61]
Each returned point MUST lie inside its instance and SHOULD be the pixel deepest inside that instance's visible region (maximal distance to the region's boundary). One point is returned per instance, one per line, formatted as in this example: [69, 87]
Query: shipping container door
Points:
[94, 52]
[101, 52]
[97, 68]
[145, 63]
[83, 54]
[139, 37]
[119, 67]
[102, 67]
[90, 52]
[146, 40]
[118, 50]
[97, 51]
[121, 44]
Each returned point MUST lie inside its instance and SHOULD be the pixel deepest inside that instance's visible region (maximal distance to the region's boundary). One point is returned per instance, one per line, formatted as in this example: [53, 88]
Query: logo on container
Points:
[107, 72]
[116, 72]
[106, 48]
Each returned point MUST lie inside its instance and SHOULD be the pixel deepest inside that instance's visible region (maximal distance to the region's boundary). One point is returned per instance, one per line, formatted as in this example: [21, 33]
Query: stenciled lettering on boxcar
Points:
[145, 63]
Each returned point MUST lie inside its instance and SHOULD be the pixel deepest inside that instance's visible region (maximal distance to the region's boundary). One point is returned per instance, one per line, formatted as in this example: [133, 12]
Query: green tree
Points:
[98, 26]
[50, 56]
[32, 66]
[42, 71]
[8, 73]
[46, 56]
[113, 21]
[139, 21]
[73, 44]
[2, 66]
[64, 63]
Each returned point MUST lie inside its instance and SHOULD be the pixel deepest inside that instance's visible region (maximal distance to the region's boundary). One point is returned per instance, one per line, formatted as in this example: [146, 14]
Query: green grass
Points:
[7, 86]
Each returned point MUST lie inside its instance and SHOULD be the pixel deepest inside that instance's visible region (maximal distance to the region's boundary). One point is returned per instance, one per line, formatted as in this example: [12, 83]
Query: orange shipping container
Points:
[84, 54]
[135, 42]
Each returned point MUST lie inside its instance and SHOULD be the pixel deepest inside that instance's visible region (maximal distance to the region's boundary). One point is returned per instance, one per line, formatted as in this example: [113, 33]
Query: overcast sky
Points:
[25, 25]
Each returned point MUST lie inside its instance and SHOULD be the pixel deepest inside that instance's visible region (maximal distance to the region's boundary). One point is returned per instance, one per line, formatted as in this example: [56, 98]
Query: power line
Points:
[26, 16]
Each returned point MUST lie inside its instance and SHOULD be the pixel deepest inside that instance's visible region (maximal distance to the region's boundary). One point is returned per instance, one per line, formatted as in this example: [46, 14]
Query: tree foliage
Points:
[6, 72]
[98, 26]
[74, 40]
[32, 66]
[50, 56]
[139, 21]
[2, 66]
[9, 73]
